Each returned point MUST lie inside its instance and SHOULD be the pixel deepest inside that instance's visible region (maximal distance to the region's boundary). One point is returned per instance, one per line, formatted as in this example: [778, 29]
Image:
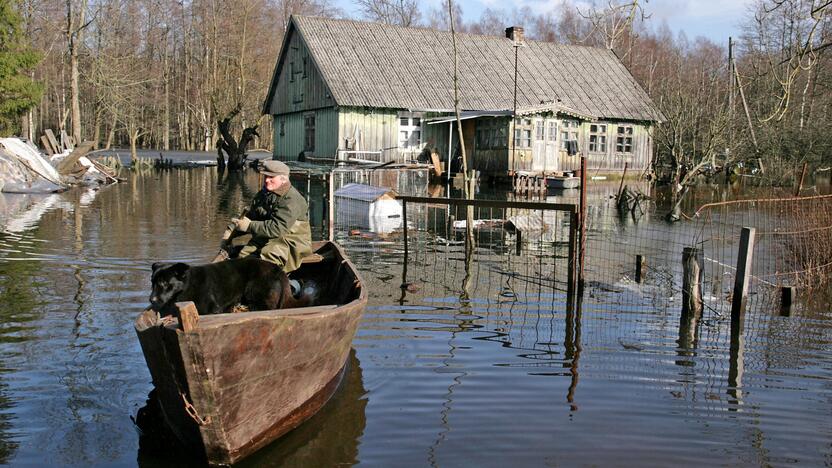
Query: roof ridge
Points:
[428, 28]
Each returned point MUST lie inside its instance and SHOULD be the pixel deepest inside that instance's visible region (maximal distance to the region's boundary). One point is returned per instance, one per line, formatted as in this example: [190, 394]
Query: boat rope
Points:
[189, 408]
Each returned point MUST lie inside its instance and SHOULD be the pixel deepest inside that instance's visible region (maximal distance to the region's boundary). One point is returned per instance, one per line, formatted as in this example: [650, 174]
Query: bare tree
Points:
[613, 22]
[398, 12]
[75, 25]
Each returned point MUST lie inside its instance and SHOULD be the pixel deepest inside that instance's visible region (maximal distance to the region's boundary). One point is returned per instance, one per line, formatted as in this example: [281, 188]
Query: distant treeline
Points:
[161, 73]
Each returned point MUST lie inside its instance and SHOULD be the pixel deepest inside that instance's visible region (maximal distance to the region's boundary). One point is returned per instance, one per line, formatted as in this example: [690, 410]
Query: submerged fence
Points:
[629, 256]
[789, 253]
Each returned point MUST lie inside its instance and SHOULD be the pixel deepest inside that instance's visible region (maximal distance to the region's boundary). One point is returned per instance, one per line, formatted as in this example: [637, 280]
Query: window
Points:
[282, 127]
[523, 133]
[553, 132]
[624, 139]
[539, 130]
[305, 59]
[568, 132]
[292, 71]
[309, 132]
[410, 132]
[491, 133]
[523, 138]
[598, 138]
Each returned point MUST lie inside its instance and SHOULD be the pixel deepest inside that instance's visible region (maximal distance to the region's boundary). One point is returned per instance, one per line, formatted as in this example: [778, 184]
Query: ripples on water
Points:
[504, 375]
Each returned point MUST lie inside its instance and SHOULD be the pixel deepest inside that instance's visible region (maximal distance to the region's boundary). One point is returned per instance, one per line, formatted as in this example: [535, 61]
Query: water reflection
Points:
[481, 347]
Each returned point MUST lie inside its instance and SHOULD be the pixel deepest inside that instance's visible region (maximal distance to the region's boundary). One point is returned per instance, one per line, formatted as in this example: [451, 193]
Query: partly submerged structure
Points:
[386, 91]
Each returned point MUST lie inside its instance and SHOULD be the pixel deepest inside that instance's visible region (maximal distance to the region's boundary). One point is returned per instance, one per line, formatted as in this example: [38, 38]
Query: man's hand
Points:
[241, 224]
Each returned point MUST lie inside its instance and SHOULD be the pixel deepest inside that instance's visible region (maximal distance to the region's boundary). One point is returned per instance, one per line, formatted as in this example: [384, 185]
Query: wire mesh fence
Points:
[502, 274]
[631, 256]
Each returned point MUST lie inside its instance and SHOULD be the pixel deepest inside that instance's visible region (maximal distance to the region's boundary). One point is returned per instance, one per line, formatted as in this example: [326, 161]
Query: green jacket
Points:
[279, 227]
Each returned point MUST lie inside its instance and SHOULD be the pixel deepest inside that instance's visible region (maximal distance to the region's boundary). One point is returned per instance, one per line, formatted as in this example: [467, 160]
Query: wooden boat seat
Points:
[312, 258]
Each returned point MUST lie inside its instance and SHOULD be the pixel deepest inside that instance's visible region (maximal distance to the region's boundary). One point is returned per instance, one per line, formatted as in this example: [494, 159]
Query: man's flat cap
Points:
[274, 168]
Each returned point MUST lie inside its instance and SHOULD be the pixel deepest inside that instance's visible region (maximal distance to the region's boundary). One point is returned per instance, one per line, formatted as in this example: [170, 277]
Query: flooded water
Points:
[480, 363]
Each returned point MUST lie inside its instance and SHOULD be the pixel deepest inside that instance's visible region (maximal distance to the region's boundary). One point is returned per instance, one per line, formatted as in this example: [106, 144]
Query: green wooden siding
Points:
[288, 146]
[378, 130]
[299, 87]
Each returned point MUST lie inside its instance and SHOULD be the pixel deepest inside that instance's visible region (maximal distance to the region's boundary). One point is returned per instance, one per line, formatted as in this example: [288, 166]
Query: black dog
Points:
[216, 288]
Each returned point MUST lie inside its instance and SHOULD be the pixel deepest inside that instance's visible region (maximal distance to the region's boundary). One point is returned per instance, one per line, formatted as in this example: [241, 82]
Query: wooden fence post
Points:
[404, 215]
[573, 257]
[744, 260]
[787, 294]
[582, 251]
[691, 284]
[519, 242]
[331, 206]
[800, 184]
[639, 268]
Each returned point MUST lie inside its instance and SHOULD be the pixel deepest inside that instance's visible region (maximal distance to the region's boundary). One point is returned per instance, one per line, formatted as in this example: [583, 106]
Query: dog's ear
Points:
[180, 270]
[156, 266]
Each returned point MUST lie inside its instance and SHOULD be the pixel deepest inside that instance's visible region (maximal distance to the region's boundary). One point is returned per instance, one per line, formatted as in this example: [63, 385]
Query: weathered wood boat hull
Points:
[236, 382]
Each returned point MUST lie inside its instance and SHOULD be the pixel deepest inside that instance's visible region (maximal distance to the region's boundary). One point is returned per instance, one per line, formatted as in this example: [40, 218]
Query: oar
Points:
[227, 237]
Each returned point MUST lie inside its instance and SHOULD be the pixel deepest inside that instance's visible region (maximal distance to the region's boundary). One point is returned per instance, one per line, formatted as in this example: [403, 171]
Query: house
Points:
[383, 92]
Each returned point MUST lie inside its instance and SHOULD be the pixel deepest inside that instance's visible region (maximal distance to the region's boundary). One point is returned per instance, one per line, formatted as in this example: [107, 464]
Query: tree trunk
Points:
[75, 27]
[134, 136]
[236, 151]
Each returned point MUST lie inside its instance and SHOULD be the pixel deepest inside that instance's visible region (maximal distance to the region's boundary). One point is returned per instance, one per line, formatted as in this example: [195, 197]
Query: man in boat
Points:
[278, 220]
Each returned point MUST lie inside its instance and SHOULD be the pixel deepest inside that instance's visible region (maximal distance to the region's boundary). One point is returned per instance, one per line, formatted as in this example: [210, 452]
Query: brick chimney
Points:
[515, 33]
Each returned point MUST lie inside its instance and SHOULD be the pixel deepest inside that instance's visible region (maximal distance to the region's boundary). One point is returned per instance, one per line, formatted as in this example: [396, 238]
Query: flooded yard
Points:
[479, 362]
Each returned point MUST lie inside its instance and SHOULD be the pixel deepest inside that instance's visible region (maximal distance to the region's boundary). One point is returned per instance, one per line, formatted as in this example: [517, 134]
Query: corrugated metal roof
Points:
[379, 65]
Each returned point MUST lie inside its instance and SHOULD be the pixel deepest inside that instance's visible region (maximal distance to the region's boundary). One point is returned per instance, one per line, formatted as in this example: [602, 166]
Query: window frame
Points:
[414, 126]
[309, 132]
[624, 139]
[569, 127]
[598, 138]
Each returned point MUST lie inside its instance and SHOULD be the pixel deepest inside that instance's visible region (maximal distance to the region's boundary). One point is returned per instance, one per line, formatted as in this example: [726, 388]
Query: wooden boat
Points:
[562, 182]
[228, 384]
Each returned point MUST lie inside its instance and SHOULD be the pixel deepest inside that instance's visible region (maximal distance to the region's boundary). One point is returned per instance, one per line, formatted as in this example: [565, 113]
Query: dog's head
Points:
[168, 280]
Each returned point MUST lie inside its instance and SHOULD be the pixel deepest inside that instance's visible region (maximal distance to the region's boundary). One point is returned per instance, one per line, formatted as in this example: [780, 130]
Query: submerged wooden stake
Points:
[639, 268]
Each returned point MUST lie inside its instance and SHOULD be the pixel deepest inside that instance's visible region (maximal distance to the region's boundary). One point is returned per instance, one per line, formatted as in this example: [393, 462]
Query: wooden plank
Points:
[66, 165]
[47, 146]
[437, 166]
[65, 144]
[188, 316]
[56, 148]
